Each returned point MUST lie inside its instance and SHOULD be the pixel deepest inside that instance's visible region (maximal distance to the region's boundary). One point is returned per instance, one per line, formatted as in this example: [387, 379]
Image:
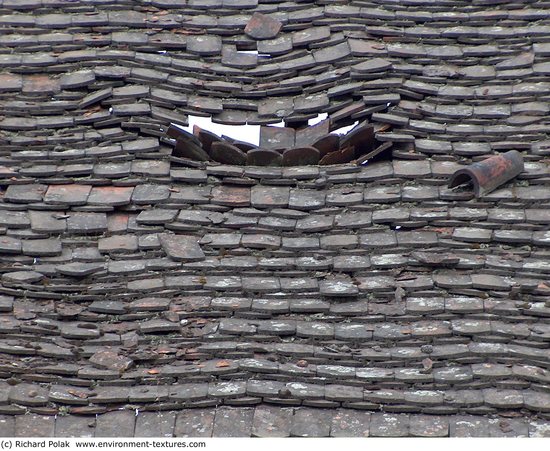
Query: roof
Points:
[361, 299]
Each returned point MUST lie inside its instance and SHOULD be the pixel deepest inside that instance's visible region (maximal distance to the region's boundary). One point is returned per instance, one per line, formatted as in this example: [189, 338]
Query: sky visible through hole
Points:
[248, 133]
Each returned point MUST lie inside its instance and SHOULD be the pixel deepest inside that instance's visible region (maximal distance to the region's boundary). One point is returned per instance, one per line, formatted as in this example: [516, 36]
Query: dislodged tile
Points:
[223, 152]
[261, 26]
[361, 138]
[182, 247]
[189, 149]
[111, 359]
[277, 137]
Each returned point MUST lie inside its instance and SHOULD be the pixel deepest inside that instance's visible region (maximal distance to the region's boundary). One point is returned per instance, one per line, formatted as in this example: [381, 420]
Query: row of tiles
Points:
[394, 327]
[102, 14]
[65, 196]
[268, 421]
[294, 392]
[116, 161]
[250, 314]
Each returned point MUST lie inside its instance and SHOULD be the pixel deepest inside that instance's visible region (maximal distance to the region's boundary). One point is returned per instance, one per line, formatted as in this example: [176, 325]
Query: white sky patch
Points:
[320, 117]
[345, 130]
[247, 133]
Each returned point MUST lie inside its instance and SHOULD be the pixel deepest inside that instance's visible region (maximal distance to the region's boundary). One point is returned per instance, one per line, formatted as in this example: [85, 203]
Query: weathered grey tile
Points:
[271, 421]
[233, 422]
[311, 423]
[195, 423]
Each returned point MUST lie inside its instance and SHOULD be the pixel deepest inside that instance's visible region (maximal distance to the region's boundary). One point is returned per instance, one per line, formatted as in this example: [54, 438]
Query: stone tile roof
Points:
[297, 300]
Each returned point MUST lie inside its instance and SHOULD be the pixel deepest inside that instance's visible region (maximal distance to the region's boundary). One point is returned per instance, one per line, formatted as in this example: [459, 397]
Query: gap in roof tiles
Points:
[319, 142]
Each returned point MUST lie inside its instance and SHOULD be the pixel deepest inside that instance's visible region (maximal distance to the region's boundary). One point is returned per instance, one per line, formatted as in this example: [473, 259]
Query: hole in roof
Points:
[345, 130]
[248, 133]
[320, 117]
[312, 142]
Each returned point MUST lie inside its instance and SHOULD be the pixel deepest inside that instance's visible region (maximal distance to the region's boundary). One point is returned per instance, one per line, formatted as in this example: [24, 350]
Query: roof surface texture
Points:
[321, 300]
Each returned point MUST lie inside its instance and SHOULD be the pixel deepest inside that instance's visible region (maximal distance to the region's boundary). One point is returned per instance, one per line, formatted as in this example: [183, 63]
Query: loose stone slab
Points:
[261, 26]
[184, 248]
[111, 359]
[227, 154]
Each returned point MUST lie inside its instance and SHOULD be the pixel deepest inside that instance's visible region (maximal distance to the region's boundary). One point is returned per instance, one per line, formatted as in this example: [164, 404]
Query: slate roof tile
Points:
[86, 223]
[25, 193]
[67, 194]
